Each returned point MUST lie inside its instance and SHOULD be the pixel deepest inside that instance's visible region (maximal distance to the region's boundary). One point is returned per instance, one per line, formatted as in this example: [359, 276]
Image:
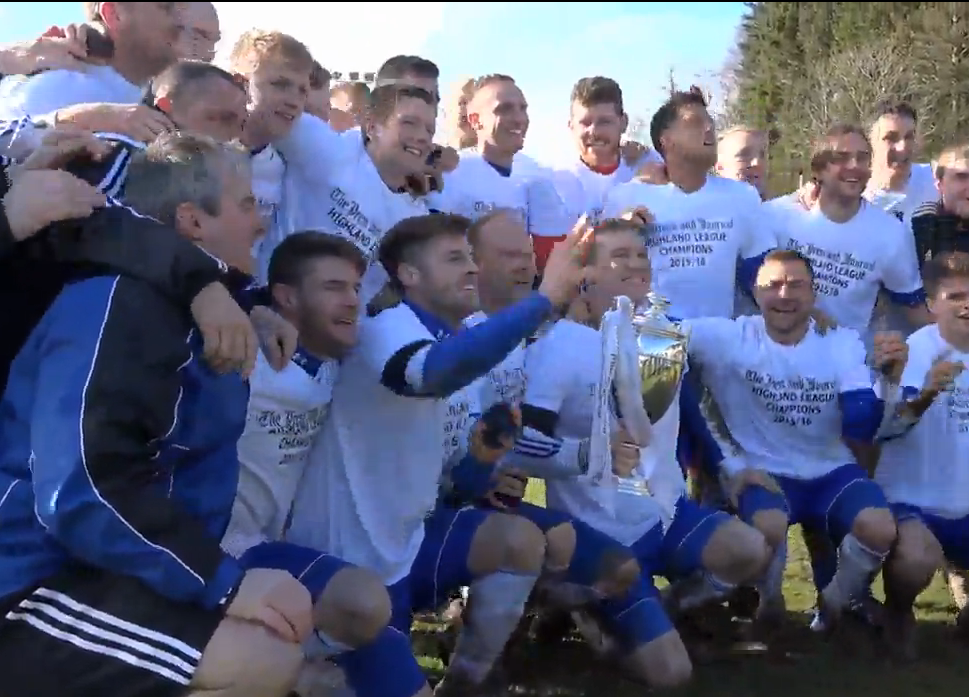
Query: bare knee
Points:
[523, 544]
[738, 552]
[664, 662]
[243, 659]
[560, 546]
[353, 608]
[875, 528]
[773, 525]
[917, 554]
[618, 572]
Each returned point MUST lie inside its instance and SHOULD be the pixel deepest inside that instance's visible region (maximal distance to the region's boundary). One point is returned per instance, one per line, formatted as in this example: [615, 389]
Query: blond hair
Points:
[257, 45]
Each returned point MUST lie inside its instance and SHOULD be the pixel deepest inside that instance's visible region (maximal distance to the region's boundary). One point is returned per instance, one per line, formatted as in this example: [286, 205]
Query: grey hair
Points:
[182, 168]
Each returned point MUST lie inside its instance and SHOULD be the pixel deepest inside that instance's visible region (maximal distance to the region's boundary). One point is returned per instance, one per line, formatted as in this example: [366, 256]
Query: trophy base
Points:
[634, 486]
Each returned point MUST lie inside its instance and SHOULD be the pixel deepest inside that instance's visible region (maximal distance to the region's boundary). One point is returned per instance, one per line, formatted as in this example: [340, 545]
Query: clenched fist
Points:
[890, 355]
[942, 375]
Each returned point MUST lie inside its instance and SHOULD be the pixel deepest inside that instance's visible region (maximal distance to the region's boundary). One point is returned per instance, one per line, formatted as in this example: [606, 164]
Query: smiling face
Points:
[597, 130]
[785, 293]
[277, 97]
[403, 139]
[846, 166]
[498, 113]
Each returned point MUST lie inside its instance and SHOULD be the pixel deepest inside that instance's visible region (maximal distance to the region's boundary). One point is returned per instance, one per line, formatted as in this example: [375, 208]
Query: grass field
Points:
[798, 664]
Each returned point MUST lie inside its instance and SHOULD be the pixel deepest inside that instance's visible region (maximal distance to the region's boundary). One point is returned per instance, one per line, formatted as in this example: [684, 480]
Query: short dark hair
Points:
[894, 108]
[287, 266]
[384, 99]
[181, 77]
[790, 256]
[404, 240]
[399, 67]
[942, 267]
[666, 115]
[592, 91]
[319, 76]
[821, 156]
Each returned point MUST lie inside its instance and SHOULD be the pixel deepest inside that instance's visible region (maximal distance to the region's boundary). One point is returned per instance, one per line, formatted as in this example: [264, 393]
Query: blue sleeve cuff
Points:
[861, 414]
[471, 479]
[747, 273]
[913, 299]
[695, 432]
[223, 584]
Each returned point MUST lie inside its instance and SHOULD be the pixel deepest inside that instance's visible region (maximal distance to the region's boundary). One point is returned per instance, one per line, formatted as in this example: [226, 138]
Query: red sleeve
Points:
[543, 247]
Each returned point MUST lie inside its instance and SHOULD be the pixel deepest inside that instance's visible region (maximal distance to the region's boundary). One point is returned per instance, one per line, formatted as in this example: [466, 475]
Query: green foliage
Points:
[803, 66]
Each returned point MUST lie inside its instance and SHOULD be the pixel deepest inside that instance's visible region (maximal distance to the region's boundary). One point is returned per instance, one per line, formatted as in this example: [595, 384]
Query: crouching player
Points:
[371, 486]
[789, 395]
[314, 280]
[119, 468]
[668, 534]
[924, 470]
[580, 561]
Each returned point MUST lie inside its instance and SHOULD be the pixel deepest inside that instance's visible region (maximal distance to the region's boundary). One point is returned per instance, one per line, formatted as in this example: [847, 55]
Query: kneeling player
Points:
[667, 533]
[790, 394]
[924, 470]
[371, 496]
[119, 469]
[314, 281]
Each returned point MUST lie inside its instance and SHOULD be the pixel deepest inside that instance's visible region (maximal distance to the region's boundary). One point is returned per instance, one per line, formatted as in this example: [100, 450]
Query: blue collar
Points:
[437, 327]
[307, 361]
[503, 171]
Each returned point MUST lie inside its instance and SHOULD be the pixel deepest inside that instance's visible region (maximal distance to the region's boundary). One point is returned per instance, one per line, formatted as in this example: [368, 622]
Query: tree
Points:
[801, 66]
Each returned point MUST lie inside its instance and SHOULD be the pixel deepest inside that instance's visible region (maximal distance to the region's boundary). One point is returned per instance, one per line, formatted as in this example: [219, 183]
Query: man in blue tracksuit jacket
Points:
[118, 470]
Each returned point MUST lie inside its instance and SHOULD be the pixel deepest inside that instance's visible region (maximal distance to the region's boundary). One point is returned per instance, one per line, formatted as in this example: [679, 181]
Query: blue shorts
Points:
[398, 673]
[639, 617]
[591, 546]
[830, 503]
[441, 566]
[952, 533]
[311, 567]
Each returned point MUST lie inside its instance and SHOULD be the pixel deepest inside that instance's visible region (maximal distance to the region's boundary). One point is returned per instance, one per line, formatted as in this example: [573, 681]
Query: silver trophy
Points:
[661, 353]
[662, 346]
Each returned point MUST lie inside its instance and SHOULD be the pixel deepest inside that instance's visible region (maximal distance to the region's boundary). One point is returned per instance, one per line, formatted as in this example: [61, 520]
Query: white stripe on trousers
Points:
[90, 629]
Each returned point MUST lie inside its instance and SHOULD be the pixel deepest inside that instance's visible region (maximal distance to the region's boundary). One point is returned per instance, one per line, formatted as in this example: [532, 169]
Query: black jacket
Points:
[114, 239]
[937, 231]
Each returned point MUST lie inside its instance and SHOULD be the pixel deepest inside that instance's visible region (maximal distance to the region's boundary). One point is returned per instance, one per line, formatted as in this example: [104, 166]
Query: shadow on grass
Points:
[796, 663]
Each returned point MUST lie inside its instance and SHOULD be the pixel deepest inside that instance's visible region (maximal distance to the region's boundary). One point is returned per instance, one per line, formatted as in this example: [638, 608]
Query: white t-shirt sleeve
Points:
[453, 196]
[923, 350]
[547, 213]
[760, 235]
[49, 91]
[392, 332]
[617, 200]
[711, 338]
[318, 151]
[853, 371]
[901, 274]
[548, 380]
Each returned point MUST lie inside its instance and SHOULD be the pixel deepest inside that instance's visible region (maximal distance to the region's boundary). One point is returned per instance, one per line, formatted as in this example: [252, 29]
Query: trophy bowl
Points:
[662, 351]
